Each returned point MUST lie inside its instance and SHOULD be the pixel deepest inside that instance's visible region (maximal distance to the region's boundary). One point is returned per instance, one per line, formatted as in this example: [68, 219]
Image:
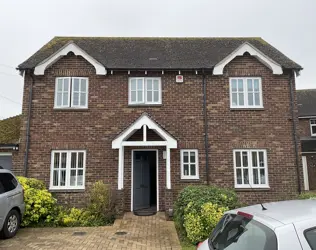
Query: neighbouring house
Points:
[152, 115]
[306, 100]
[9, 140]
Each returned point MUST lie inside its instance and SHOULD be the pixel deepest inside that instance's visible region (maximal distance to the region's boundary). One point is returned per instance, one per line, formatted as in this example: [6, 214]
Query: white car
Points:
[284, 225]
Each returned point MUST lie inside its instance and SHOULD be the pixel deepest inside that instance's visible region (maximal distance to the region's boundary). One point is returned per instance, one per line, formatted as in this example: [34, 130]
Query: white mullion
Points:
[250, 167]
[242, 167]
[59, 170]
[68, 164]
[77, 169]
[69, 91]
[144, 89]
[245, 95]
[258, 162]
[189, 162]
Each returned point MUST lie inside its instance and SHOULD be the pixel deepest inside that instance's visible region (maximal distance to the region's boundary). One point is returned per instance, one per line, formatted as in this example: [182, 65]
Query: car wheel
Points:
[11, 224]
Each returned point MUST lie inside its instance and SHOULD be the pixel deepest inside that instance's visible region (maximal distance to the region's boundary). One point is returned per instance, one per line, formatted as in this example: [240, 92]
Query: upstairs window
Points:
[71, 92]
[251, 170]
[144, 90]
[313, 127]
[245, 92]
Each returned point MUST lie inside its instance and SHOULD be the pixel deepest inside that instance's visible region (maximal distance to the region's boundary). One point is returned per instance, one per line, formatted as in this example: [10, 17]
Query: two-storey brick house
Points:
[306, 100]
[152, 115]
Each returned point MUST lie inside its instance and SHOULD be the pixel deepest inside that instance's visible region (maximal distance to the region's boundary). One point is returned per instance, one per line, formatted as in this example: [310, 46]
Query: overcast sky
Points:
[25, 26]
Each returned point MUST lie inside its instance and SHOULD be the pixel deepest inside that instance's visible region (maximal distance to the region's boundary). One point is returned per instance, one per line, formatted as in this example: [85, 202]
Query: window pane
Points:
[156, 85]
[249, 84]
[63, 160]
[254, 159]
[83, 85]
[133, 84]
[156, 96]
[59, 97]
[80, 160]
[83, 99]
[257, 99]
[139, 84]
[185, 157]
[80, 178]
[76, 84]
[133, 96]
[75, 99]
[256, 84]
[234, 85]
[240, 85]
[314, 129]
[192, 168]
[239, 178]
[262, 176]
[261, 159]
[73, 178]
[56, 160]
[186, 169]
[245, 159]
[66, 84]
[73, 160]
[149, 96]
[192, 157]
[246, 176]
[234, 99]
[65, 99]
[241, 99]
[63, 178]
[250, 99]
[238, 162]
[313, 121]
[55, 178]
[60, 85]
[149, 84]
[310, 235]
[255, 176]
[140, 96]
[7, 183]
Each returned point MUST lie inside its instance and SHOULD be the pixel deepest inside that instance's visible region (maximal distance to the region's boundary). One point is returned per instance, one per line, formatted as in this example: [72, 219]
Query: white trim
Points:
[157, 173]
[67, 169]
[190, 177]
[144, 120]
[144, 91]
[245, 93]
[305, 173]
[5, 154]
[168, 172]
[311, 126]
[250, 169]
[144, 133]
[70, 47]
[247, 47]
[120, 180]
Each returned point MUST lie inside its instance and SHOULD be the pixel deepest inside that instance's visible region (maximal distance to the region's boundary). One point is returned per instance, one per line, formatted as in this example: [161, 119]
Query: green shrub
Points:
[199, 223]
[40, 206]
[199, 195]
[307, 195]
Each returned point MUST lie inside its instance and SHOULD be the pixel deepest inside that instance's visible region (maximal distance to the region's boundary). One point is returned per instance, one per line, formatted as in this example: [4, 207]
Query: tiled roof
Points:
[306, 100]
[158, 52]
[10, 130]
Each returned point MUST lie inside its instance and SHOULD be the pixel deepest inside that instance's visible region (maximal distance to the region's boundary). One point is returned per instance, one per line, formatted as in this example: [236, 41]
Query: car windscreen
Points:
[310, 235]
[235, 232]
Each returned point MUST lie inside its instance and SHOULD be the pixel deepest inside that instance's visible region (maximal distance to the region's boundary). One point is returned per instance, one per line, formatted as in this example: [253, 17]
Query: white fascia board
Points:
[70, 47]
[247, 47]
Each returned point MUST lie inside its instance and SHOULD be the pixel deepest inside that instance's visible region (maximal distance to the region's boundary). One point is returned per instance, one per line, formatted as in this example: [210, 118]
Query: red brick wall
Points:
[181, 114]
[304, 128]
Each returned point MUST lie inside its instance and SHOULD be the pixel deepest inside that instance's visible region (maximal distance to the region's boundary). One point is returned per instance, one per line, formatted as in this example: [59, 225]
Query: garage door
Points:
[6, 161]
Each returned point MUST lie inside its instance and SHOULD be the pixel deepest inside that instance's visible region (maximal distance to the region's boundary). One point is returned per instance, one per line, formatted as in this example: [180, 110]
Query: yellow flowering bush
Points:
[199, 223]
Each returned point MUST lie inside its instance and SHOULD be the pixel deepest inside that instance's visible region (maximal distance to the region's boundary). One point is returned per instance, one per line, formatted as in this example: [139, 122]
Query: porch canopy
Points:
[143, 122]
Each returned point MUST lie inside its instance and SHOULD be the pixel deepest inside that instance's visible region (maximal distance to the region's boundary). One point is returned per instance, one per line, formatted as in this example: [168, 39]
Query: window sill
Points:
[145, 105]
[247, 189]
[82, 190]
[72, 109]
[190, 179]
[247, 108]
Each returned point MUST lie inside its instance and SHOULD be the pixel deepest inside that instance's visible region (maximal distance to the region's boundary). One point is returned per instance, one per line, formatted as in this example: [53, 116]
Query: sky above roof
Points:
[28, 25]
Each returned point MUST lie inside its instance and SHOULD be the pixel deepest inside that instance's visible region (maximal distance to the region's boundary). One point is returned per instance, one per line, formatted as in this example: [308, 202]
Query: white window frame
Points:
[312, 125]
[250, 169]
[144, 102]
[68, 168]
[190, 177]
[245, 87]
[71, 93]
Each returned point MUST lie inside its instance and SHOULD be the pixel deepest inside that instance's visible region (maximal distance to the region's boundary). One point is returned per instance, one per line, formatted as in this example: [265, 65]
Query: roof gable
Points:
[168, 53]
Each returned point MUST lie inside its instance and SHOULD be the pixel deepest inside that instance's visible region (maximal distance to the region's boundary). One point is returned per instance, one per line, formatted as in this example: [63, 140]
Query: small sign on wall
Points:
[179, 78]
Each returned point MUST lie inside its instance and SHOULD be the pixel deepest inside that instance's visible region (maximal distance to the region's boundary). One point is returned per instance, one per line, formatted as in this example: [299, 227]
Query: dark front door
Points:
[141, 180]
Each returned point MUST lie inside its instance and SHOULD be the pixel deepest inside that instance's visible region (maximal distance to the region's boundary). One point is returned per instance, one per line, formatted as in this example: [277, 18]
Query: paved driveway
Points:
[132, 232]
